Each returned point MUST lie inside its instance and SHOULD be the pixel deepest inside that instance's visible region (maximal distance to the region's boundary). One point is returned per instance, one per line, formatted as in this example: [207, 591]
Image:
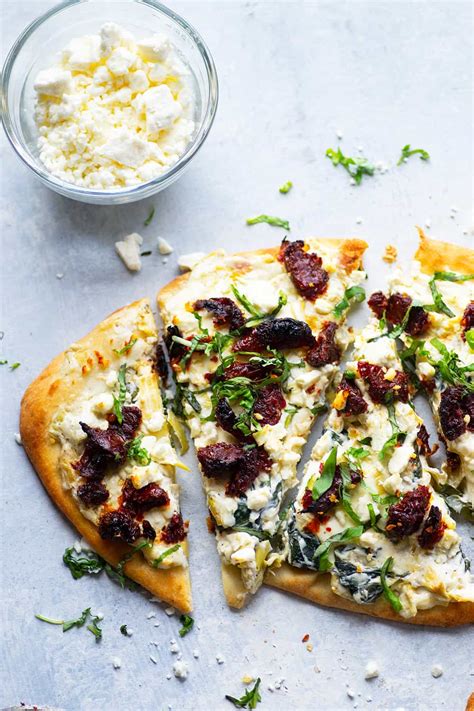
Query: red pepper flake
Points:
[305, 638]
[328, 528]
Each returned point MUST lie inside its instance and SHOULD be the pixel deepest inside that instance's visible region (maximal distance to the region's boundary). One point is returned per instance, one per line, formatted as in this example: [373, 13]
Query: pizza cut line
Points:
[367, 531]
[94, 428]
[254, 340]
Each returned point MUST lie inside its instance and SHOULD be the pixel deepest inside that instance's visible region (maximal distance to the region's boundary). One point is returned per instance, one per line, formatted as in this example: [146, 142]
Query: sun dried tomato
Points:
[452, 412]
[355, 403]
[276, 333]
[423, 442]
[397, 306]
[220, 459]
[467, 321]
[118, 525]
[378, 303]
[131, 420]
[256, 461]
[406, 516]
[269, 404]
[252, 371]
[330, 498]
[418, 321]
[225, 312]
[324, 350]
[453, 461]
[148, 531]
[305, 269]
[93, 493]
[176, 351]
[175, 531]
[433, 529]
[379, 388]
[148, 497]
[159, 363]
[92, 464]
[469, 410]
[110, 442]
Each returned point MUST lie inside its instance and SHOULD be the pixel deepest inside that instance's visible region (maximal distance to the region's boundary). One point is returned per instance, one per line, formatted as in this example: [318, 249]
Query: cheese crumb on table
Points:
[129, 251]
[114, 112]
[116, 662]
[390, 254]
[18, 439]
[436, 671]
[371, 670]
[164, 246]
[180, 669]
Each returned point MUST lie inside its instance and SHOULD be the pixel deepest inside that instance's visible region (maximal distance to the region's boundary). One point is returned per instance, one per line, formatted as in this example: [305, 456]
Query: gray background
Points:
[291, 75]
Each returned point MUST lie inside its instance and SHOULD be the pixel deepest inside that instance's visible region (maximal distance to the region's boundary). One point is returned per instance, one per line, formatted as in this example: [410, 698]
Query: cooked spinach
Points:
[363, 583]
[302, 547]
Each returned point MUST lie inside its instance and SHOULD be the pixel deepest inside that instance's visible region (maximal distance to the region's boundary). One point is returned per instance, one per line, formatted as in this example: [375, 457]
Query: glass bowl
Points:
[35, 49]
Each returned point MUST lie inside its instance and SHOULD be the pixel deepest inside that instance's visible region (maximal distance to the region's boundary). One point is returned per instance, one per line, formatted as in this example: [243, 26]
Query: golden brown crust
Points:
[350, 253]
[470, 703]
[316, 588]
[436, 256]
[41, 400]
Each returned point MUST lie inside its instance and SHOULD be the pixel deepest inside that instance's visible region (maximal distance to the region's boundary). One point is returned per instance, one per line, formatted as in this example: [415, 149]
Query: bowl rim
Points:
[134, 191]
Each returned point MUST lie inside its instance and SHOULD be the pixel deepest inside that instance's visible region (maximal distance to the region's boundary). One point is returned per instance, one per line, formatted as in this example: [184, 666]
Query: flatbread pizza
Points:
[94, 428]
[254, 340]
[368, 532]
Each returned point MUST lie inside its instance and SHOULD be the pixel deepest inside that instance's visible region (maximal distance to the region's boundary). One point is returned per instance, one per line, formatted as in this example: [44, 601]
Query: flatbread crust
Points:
[317, 588]
[470, 703]
[436, 256]
[351, 252]
[40, 402]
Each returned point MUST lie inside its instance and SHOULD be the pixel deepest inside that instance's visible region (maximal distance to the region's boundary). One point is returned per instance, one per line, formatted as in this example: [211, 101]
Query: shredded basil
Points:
[119, 401]
[165, 554]
[136, 452]
[150, 217]
[79, 622]
[353, 293]
[127, 347]
[249, 700]
[286, 187]
[356, 167]
[275, 221]
[322, 551]
[397, 435]
[188, 623]
[407, 151]
[470, 338]
[256, 315]
[85, 563]
[324, 482]
[392, 598]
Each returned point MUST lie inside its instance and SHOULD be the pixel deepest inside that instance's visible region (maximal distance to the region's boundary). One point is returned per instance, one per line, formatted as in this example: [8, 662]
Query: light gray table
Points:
[291, 75]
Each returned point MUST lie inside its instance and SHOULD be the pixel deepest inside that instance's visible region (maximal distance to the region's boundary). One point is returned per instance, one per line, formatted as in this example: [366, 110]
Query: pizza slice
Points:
[254, 340]
[431, 310]
[368, 532]
[94, 428]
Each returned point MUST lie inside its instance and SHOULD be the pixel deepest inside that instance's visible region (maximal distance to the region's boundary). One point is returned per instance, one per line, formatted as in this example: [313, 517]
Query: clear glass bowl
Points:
[36, 48]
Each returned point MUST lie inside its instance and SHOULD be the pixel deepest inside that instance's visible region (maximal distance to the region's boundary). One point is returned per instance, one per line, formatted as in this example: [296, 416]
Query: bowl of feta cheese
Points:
[107, 102]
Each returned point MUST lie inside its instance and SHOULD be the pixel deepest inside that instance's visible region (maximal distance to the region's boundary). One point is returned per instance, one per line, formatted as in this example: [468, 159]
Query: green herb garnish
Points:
[449, 366]
[439, 305]
[324, 482]
[79, 622]
[119, 401]
[321, 554]
[255, 314]
[85, 563]
[14, 366]
[286, 187]
[146, 253]
[275, 221]
[392, 598]
[165, 554]
[407, 151]
[120, 566]
[397, 435]
[136, 452]
[470, 338]
[356, 167]
[150, 217]
[346, 489]
[187, 622]
[291, 412]
[355, 293]
[127, 347]
[124, 630]
[249, 700]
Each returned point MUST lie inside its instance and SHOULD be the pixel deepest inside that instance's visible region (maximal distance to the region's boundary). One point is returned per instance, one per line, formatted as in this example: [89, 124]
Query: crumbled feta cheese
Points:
[150, 615]
[164, 246]
[161, 109]
[53, 82]
[174, 649]
[371, 670]
[170, 611]
[180, 669]
[117, 662]
[220, 659]
[129, 251]
[154, 49]
[125, 149]
[358, 220]
[196, 653]
[59, 275]
[350, 692]
[18, 438]
[436, 671]
[152, 659]
[188, 261]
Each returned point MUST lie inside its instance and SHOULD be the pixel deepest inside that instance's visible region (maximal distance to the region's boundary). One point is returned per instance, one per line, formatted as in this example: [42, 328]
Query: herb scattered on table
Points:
[93, 627]
[188, 623]
[356, 167]
[123, 630]
[286, 187]
[13, 366]
[407, 151]
[275, 221]
[249, 700]
[150, 217]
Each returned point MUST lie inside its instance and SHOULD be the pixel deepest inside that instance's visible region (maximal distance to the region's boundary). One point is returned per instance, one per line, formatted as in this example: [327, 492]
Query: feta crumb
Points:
[358, 220]
[168, 676]
[150, 615]
[174, 649]
[188, 261]
[157, 624]
[180, 670]
[170, 611]
[428, 223]
[339, 134]
[350, 692]
[129, 632]
[220, 659]
[164, 246]
[436, 671]
[53, 82]
[271, 688]
[99, 615]
[59, 275]
[152, 659]
[18, 438]
[371, 670]
[164, 260]
[117, 662]
[247, 679]
[129, 251]
[196, 653]
[77, 546]
[279, 683]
